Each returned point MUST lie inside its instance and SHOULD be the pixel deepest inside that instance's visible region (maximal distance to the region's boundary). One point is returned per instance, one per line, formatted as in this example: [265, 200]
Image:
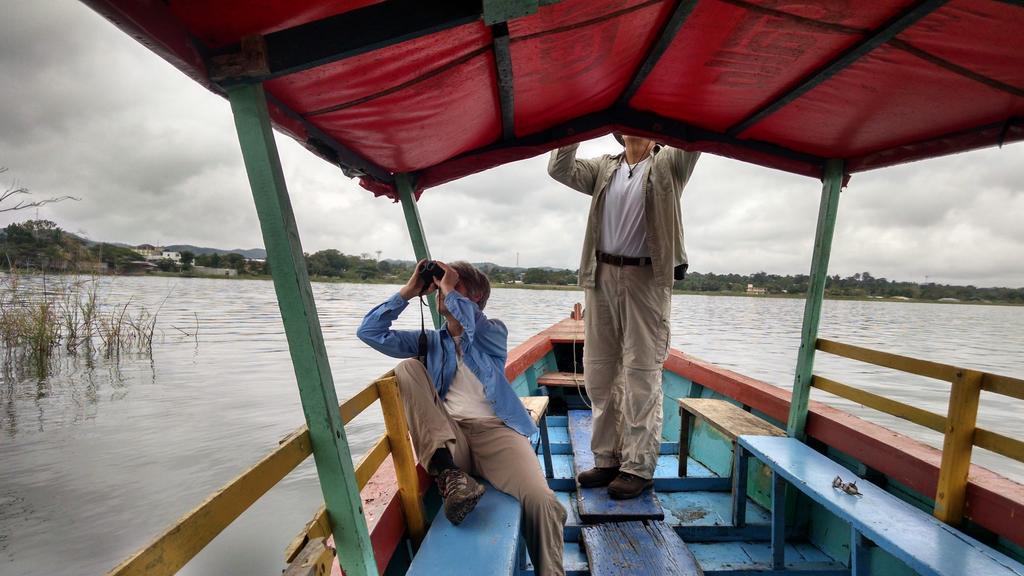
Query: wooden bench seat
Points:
[487, 541]
[629, 548]
[725, 417]
[537, 406]
[561, 380]
[925, 544]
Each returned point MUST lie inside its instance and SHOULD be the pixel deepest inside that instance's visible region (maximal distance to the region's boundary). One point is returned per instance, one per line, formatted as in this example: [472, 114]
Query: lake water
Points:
[96, 461]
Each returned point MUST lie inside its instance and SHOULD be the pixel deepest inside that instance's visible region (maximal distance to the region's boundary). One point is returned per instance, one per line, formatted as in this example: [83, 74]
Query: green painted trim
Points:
[302, 328]
[495, 11]
[827, 211]
[415, 225]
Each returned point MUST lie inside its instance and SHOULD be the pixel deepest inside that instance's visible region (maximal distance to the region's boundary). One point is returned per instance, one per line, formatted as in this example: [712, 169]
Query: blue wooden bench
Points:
[925, 544]
[487, 541]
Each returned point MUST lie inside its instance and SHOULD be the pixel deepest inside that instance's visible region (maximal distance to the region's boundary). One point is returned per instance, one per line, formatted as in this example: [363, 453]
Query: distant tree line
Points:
[859, 285]
[232, 260]
[41, 244]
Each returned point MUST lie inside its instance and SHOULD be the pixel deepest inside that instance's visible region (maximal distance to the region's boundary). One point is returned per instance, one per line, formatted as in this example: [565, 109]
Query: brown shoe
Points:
[627, 486]
[596, 477]
[460, 493]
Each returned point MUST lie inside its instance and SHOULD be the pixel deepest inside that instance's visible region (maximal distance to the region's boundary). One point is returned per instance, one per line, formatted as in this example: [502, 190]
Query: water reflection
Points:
[100, 456]
[69, 393]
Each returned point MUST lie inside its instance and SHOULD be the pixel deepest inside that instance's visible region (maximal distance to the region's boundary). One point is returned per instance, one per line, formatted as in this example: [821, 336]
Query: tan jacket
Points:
[667, 175]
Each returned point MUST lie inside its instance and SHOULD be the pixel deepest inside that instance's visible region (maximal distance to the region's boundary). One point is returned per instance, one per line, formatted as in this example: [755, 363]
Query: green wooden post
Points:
[419, 241]
[815, 293]
[302, 328]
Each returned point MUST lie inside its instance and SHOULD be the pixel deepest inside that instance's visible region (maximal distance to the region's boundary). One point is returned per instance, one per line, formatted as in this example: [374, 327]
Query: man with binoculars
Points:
[463, 415]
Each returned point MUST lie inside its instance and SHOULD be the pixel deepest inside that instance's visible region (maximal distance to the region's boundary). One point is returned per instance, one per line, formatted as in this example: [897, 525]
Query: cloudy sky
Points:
[88, 112]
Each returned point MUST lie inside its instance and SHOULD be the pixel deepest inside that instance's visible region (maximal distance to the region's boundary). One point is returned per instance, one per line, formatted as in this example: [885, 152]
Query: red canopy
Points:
[446, 88]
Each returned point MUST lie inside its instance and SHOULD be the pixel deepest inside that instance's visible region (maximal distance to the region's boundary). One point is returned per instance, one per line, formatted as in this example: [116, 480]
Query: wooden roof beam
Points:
[506, 89]
[359, 31]
[679, 130]
[665, 37]
[355, 32]
[351, 163]
[895, 26]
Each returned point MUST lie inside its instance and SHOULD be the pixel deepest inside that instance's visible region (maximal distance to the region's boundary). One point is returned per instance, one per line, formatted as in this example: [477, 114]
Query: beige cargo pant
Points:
[627, 337]
[488, 448]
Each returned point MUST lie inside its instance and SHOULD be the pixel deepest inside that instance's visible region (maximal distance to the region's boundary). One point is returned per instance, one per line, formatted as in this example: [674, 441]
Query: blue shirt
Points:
[484, 352]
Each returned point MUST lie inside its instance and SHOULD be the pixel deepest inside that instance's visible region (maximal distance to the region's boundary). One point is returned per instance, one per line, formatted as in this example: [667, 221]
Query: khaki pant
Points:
[627, 338]
[488, 448]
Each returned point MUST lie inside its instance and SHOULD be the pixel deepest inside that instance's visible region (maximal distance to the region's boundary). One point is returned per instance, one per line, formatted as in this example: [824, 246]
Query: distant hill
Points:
[251, 253]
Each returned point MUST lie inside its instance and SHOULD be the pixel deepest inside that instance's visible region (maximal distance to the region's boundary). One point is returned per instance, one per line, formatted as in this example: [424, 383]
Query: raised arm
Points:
[376, 331]
[577, 174]
[486, 335]
[681, 163]
[477, 328]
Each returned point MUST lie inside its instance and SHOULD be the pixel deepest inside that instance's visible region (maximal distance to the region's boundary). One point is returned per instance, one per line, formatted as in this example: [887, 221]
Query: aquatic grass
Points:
[38, 319]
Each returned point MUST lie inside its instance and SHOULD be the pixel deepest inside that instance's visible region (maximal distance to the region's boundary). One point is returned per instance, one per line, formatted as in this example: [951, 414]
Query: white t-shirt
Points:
[623, 228]
[465, 399]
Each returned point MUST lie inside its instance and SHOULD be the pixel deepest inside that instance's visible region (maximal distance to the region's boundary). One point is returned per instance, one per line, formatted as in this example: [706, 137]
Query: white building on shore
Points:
[154, 253]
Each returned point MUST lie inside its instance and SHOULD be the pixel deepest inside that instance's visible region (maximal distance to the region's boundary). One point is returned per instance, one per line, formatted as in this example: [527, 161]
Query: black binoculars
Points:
[430, 272]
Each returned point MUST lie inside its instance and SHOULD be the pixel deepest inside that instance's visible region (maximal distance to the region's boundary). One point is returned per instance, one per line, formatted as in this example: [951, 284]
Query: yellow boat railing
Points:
[170, 551]
[957, 426]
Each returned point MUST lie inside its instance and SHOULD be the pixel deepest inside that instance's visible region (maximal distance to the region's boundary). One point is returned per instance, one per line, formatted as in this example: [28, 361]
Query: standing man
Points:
[632, 253]
[463, 415]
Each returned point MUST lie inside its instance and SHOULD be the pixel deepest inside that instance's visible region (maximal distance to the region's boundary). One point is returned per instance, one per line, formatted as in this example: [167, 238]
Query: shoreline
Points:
[574, 288]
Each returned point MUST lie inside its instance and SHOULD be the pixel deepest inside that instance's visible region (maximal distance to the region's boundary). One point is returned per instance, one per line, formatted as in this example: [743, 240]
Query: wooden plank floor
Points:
[739, 557]
[701, 512]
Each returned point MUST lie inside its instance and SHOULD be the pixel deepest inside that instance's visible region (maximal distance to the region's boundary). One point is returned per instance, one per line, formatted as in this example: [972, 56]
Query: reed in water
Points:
[41, 315]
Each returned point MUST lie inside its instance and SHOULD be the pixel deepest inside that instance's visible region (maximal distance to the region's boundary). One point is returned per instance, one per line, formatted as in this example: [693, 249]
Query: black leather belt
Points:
[623, 260]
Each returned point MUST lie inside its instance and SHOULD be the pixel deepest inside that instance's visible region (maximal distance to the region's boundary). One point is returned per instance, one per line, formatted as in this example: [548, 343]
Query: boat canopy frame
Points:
[331, 451]
[782, 123]
[242, 66]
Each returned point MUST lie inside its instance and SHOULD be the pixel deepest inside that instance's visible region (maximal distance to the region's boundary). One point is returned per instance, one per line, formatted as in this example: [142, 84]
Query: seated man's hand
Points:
[414, 286]
[450, 280]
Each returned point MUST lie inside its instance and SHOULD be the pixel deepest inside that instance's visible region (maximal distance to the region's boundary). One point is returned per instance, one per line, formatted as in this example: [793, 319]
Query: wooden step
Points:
[629, 548]
[594, 504]
[561, 380]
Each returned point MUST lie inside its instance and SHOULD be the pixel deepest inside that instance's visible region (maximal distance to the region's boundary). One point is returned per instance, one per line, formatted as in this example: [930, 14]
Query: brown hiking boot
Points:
[597, 477]
[627, 486]
[460, 493]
